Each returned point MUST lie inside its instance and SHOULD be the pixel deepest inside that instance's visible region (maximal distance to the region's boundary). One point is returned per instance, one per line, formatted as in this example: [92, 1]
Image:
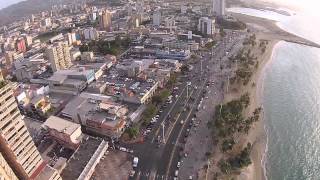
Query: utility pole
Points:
[228, 84]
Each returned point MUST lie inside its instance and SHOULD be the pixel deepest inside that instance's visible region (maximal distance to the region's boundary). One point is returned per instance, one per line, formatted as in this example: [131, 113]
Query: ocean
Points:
[291, 101]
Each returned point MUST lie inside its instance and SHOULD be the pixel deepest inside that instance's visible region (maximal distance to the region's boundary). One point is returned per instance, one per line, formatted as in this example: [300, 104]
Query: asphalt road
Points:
[160, 162]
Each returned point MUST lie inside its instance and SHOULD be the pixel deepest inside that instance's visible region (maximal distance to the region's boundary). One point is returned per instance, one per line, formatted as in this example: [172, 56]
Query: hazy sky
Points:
[6, 3]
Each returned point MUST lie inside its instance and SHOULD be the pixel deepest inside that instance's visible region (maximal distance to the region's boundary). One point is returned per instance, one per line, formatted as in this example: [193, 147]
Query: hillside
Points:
[25, 9]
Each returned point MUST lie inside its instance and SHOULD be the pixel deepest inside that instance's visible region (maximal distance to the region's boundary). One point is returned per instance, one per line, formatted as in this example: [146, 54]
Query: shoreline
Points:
[257, 135]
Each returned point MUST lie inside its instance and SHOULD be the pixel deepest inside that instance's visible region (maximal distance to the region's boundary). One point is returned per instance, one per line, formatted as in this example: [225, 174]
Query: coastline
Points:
[258, 135]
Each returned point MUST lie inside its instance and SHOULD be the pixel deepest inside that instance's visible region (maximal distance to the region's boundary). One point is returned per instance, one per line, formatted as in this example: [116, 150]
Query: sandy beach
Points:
[268, 30]
[257, 135]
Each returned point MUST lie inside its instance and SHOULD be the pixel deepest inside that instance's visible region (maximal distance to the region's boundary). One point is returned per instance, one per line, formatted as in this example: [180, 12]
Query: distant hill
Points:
[25, 9]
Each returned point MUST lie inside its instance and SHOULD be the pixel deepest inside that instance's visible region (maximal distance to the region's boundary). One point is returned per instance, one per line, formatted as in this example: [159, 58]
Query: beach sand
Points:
[257, 135]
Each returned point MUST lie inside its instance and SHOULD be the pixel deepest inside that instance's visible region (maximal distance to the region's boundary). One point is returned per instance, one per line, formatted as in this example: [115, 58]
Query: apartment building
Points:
[16, 144]
[6, 173]
[59, 56]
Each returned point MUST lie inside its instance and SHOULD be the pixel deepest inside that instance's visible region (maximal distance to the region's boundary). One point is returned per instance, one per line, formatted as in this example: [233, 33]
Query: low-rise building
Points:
[65, 132]
[97, 114]
[71, 81]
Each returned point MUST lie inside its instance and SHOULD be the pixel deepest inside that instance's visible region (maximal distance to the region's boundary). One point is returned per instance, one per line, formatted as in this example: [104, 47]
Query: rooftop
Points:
[61, 125]
[80, 158]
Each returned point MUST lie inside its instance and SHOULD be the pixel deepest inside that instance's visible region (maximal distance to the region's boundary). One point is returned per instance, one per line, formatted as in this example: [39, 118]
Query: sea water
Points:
[291, 101]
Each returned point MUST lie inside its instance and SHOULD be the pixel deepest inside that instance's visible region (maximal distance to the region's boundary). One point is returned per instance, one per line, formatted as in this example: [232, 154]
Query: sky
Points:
[6, 3]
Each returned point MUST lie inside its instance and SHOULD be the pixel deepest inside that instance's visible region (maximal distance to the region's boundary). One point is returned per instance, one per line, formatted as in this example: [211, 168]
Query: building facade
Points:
[16, 143]
[219, 7]
[59, 56]
[6, 173]
[206, 26]
[105, 20]
[156, 18]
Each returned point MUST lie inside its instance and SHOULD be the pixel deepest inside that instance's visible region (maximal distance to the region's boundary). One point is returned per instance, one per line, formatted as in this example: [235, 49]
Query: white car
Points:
[176, 173]
[179, 164]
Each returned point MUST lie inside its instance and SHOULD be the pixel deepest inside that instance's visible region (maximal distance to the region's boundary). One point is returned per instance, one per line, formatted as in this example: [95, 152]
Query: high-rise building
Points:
[16, 144]
[218, 7]
[206, 26]
[59, 56]
[46, 22]
[6, 173]
[90, 33]
[140, 7]
[156, 18]
[105, 20]
[19, 157]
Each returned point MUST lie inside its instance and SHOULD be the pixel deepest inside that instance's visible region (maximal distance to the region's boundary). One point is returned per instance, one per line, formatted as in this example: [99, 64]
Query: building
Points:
[21, 45]
[11, 56]
[71, 38]
[156, 18]
[183, 9]
[105, 20]
[71, 81]
[97, 114]
[46, 22]
[59, 56]
[173, 54]
[206, 26]
[65, 132]
[93, 17]
[90, 34]
[218, 7]
[6, 173]
[16, 144]
[169, 23]
[84, 161]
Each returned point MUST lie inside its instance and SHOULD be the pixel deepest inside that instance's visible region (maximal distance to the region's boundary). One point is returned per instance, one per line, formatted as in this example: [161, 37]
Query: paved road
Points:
[160, 162]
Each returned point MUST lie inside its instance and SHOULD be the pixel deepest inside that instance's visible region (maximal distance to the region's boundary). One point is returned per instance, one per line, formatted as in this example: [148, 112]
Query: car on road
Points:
[135, 162]
[132, 173]
[179, 164]
[181, 122]
[123, 149]
[176, 173]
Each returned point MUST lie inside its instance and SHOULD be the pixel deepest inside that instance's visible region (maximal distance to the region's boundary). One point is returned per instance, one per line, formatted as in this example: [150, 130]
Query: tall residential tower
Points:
[19, 157]
[218, 7]
[59, 56]
[105, 20]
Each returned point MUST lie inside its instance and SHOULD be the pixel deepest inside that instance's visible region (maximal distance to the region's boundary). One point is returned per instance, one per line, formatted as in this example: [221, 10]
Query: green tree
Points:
[133, 131]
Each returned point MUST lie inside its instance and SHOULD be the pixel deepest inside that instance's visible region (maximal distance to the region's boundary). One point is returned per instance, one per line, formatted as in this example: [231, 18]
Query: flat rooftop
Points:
[61, 125]
[80, 158]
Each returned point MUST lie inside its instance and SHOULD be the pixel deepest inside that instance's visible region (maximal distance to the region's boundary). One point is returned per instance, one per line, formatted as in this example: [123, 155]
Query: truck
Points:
[135, 162]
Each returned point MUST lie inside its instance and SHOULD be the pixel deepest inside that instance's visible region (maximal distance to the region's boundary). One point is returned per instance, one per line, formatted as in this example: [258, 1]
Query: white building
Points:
[156, 18]
[184, 9]
[71, 38]
[218, 7]
[206, 26]
[59, 56]
[46, 22]
[169, 23]
[90, 34]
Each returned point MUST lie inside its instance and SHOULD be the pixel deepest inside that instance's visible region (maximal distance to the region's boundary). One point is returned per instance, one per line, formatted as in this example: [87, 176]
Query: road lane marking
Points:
[178, 137]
